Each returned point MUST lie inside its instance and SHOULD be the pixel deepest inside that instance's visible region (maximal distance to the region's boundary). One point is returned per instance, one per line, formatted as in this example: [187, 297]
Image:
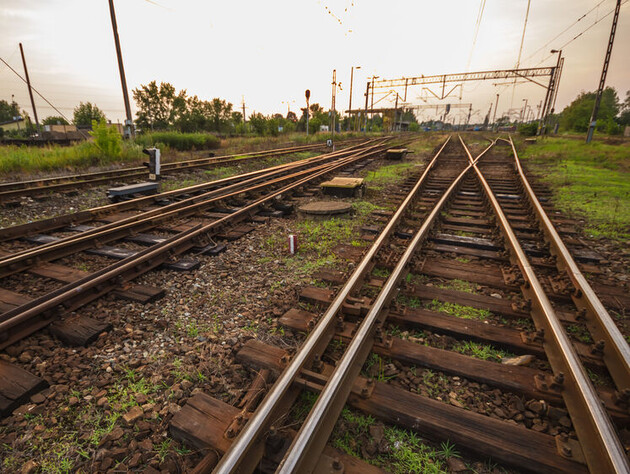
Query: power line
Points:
[584, 31]
[520, 51]
[482, 6]
[564, 31]
[39, 94]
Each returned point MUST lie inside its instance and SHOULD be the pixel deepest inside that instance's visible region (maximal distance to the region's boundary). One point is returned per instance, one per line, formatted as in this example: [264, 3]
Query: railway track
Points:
[138, 204]
[194, 223]
[12, 192]
[470, 236]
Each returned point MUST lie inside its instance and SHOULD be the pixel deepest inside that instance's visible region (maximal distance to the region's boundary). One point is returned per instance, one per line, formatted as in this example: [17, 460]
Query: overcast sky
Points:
[270, 51]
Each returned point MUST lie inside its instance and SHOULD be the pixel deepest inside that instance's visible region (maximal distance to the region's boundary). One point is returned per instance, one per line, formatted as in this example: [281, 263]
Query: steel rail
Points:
[240, 450]
[316, 429]
[169, 211]
[90, 214]
[14, 189]
[601, 446]
[616, 351]
[142, 262]
[16, 263]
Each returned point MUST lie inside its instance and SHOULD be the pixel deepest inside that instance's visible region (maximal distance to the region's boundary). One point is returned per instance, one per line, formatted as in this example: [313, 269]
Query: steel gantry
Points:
[528, 74]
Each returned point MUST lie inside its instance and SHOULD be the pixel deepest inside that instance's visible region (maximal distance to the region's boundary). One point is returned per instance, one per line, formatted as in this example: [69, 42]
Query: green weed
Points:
[480, 351]
[461, 311]
[590, 180]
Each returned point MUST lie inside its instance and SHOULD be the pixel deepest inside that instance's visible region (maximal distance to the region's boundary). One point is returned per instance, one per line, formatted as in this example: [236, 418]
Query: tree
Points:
[85, 114]
[8, 110]
[219, 114]
[576, 116]
[55, 120]
[159, 107]
[258, 122]
[624, 117]
[237, 117]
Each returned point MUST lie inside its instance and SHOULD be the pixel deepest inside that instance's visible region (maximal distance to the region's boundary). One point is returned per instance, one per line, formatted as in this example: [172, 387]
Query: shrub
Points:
[106, 138]
[179, 141]
[528, 129]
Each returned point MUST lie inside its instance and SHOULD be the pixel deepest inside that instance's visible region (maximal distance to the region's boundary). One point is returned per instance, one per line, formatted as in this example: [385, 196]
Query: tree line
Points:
[162, 108]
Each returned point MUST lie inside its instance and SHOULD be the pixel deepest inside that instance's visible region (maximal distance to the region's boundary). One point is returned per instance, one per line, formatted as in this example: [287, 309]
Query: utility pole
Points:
[553, 78]
[602, 80]
[524, 112]
[307, 94]
[494, 118]
[372, 105]
[243, 104]
[367, 96]
[396, 113]
[123, 80]
[350, 103]
[332, 106]
[30, 91]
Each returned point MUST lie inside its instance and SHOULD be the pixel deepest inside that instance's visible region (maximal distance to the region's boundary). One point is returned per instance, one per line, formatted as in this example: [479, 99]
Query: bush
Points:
[528, 129]
[179, 141]
[106, 138]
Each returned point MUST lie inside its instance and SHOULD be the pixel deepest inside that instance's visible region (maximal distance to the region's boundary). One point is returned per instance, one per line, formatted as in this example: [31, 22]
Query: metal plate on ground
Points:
[339, 182]
[326, 207]
[396, 153]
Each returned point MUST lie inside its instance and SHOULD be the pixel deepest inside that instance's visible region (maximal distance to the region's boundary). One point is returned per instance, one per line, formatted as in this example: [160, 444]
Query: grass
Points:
[54, 157]
[461, 311]
[580, 333]
[24, 159]
[375, 361]
[459, 285]
[58, 448]
[590, 181]
[179, 141]
[480, 351]
[406, 452]
[387, 174]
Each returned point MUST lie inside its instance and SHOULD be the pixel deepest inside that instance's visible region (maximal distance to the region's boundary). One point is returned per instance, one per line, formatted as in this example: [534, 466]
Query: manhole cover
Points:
[326, 207]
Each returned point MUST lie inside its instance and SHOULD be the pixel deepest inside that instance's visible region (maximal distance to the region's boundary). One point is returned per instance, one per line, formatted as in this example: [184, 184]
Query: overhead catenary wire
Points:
[564, 31]
[482, 6]
[520, 51]
[583, 31]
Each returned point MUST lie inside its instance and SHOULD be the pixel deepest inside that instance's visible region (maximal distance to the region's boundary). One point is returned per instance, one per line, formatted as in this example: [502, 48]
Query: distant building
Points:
[60, 128]
[63, 132]
[16, 124]
[626, 132]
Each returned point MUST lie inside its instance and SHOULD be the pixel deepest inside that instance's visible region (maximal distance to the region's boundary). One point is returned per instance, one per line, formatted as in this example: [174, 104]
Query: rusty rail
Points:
[30, 317]
[601, 446]
[616, 351]
[21, 260]
[90, 214]
[12, 190]
[314, 433]
[242, 454]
